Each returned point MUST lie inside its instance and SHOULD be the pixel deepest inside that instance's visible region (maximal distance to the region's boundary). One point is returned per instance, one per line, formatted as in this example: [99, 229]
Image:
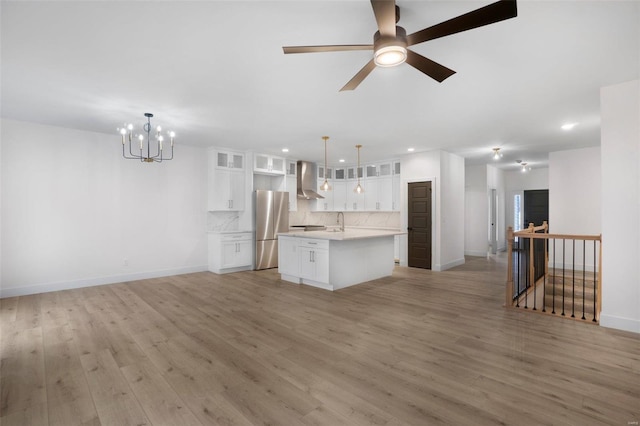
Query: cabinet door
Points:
[326, 203]
[278, 165]
[385, 194]
[219, 189]
[244, 254]
[292, 168]
[371, 171]
[229, 254]
[371, 195]
[288, 256]
[355, 201]
[291, 183]
[321, 263]
[236, 191]
[237, 161]
[305, 262]
[340, 196]
[395, 193]
[261, 163]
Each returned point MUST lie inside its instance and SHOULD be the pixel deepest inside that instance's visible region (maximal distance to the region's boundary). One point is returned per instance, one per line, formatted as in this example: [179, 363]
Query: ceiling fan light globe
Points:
[390, 56]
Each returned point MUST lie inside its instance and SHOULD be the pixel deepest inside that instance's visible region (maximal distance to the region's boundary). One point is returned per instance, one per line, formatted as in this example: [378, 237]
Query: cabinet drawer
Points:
[313, 243]
[236, 237]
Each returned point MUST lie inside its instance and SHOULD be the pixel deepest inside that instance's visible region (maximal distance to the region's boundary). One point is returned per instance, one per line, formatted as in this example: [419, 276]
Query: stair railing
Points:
[542, 271]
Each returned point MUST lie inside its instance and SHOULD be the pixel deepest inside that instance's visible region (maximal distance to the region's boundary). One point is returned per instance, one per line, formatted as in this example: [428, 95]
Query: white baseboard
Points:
[475, 253]
[620, 323]
[449, 265]
[90, 282]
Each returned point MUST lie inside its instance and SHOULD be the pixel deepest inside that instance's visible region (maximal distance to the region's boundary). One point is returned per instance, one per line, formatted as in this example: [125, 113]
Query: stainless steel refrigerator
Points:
[272, 217]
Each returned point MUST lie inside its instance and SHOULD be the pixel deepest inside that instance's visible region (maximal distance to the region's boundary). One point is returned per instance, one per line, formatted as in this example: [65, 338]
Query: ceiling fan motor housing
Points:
[390, 45]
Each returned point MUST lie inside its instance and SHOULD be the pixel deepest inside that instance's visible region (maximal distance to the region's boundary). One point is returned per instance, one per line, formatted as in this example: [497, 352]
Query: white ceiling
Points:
[215, 72]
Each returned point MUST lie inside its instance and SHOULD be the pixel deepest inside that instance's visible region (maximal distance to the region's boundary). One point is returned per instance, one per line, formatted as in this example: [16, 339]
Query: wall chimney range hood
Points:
[307, 181]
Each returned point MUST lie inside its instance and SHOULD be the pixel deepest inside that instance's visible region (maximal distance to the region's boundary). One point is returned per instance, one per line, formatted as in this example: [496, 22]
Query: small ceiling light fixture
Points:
[127, 133]
[497, 154]
[341, 160]
[325, 185]
[525, 167]
[411, 149]
[569, 126]
[285, 149]
[358, 189]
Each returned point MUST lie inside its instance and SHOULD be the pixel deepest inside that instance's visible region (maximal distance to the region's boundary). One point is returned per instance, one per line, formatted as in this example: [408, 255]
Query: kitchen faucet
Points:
[338, 221]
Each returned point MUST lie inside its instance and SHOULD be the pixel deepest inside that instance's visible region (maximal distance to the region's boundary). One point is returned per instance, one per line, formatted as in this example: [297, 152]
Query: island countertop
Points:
[347, 234]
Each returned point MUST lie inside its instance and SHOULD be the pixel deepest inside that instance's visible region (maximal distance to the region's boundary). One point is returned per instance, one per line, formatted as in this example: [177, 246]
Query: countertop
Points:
[348, 234]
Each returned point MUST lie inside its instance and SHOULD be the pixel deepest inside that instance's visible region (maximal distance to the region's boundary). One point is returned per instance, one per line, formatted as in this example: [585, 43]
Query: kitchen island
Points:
[336, 259]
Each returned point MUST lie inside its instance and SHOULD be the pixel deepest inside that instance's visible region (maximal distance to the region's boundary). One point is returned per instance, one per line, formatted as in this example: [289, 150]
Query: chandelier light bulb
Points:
[130, 127]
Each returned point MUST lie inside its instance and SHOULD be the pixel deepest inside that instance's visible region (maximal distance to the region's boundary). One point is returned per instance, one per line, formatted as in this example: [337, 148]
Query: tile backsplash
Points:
[223, 221]
[305, 216]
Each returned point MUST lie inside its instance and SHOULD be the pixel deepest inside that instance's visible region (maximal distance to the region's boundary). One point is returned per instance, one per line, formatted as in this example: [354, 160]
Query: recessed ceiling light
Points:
[285, 149]
[411, 149]
[569, 126]
[341, 160]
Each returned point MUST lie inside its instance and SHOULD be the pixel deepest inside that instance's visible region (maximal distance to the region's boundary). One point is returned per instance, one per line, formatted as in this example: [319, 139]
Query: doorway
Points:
[536, 211]
[419, 224]
[493, 219]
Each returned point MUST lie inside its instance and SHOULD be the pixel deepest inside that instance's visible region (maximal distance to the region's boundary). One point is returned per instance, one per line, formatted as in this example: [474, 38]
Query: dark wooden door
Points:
[419, 224]
[536, 211]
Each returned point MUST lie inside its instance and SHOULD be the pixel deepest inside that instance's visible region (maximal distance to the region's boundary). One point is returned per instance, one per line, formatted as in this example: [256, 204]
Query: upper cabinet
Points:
[291, 183]
[228, 160]
[381, 183]
[269, 165]
[226, 181]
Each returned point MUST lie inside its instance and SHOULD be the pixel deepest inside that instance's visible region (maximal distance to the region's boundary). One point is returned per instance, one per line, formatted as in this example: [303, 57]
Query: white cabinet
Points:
[378, 187]
[291, 184]
[228, 160]
[226, 183]
[269, 165]
[288, 262]
[377, 194]
[355, 201]
[339, 195]
[314, 260]
[395, 187]
[230, 252]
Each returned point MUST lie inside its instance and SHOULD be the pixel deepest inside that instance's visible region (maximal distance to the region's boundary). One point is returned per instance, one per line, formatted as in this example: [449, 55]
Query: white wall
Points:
[575, 191]
[496, 180]
[620, 153]
[575, 204]
[446, 173]
[476, 211]
[75, 213]
[451, 210]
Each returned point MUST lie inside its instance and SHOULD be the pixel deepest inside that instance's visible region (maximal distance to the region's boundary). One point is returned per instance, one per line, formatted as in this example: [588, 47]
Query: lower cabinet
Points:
[230, 252]
[314, 263]
[306, 260]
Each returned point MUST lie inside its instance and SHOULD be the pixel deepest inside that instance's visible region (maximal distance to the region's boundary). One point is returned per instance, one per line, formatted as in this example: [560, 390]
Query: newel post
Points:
[509, 292]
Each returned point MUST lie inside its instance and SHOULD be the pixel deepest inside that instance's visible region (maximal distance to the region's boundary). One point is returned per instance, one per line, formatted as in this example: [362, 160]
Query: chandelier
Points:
[157, 155]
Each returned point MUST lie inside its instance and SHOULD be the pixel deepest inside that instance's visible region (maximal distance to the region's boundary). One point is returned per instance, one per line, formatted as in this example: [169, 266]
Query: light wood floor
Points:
[419, 348]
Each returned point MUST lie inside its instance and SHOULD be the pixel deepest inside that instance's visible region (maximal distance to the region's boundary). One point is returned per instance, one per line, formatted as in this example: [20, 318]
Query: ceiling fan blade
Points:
[385, 11]
[328, 48]
[361, 75]
[432, 69]
[495, 12]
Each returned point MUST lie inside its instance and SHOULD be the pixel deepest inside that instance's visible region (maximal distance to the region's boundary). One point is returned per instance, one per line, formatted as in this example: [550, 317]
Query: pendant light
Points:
[325, 185]
[358, 189]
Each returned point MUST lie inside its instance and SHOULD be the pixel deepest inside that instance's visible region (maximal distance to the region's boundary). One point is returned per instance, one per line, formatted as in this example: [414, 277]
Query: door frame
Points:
[404, 221]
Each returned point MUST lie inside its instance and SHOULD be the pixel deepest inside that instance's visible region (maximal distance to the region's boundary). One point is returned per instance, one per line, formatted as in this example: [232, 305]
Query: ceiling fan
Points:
[390, 42]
